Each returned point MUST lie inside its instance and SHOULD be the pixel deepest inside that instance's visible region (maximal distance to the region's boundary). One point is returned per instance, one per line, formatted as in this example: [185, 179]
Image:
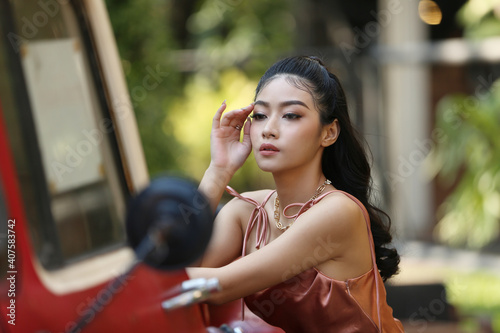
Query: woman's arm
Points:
[227, 155]
[315, 238]
[227, 237]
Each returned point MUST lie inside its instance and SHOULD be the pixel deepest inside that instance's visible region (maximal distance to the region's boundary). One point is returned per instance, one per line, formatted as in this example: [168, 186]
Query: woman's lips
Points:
[268, 149]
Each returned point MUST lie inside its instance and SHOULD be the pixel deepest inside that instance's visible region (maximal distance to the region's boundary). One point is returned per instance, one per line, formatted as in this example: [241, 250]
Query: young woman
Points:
[314, 253]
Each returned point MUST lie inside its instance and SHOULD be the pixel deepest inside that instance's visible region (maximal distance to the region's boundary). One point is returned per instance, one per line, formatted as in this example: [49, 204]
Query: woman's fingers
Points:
[218, 114]
[246, 132]
[226, 149]
[236, 118]
[242, 117]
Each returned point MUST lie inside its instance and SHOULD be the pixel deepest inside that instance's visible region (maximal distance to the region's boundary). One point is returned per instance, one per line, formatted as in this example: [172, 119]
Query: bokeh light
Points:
[430, 12]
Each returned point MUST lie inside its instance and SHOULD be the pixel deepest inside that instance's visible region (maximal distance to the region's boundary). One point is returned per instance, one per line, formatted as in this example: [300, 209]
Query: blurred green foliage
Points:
[476, 296]
[468, 157]
[480, 18]
[212, 50]
[144, 38]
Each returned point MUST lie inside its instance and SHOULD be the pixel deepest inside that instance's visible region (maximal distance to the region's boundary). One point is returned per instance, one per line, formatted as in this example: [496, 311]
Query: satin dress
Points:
[312, 302]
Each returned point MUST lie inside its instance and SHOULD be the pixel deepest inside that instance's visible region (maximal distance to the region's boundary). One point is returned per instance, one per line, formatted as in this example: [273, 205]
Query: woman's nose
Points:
[270, 129]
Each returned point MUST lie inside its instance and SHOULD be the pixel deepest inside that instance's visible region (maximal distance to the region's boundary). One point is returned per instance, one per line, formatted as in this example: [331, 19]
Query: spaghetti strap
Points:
[258, 219]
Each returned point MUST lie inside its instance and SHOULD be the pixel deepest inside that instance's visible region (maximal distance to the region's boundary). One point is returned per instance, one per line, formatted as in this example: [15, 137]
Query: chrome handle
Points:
[192, 292]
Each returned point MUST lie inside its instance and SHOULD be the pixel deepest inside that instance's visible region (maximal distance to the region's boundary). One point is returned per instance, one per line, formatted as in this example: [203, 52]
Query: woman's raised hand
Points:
[227, 151]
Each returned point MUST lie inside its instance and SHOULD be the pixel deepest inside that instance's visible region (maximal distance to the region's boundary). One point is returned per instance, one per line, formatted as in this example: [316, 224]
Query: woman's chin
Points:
[266, 166]
[269, 167]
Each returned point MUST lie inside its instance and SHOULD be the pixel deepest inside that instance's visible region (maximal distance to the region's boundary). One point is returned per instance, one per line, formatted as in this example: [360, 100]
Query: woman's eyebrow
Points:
[293, 102]
[282, 104]
[259, 102]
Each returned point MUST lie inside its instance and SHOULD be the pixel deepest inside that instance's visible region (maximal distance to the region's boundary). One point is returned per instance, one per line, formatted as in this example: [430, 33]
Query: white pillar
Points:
[406, 100]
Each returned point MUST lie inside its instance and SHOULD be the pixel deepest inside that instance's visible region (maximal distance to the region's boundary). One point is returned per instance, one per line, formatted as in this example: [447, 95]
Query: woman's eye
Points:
[258, 116]
[291, 116]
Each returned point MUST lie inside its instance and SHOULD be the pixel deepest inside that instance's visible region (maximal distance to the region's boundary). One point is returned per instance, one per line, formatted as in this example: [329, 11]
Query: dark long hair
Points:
[345, 162]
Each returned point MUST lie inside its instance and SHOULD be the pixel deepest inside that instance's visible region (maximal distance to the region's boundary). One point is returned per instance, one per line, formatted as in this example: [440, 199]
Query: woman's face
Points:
[286, 132]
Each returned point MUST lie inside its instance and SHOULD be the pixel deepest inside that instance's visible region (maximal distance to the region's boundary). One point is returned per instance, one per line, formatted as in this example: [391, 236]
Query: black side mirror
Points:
[169, 224]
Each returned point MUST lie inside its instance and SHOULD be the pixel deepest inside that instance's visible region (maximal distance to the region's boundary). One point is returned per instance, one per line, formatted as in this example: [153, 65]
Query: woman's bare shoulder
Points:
[343, 211]
[342, 202]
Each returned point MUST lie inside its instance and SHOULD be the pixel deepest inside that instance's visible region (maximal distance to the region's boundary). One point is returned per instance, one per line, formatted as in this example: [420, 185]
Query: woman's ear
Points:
[330, 133]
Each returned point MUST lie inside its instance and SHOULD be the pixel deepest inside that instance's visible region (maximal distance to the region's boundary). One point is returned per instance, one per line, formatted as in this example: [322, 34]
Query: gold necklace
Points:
[280, 225]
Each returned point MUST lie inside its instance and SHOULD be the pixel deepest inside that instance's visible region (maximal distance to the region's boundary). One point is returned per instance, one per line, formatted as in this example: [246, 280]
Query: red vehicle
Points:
[70, 162]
